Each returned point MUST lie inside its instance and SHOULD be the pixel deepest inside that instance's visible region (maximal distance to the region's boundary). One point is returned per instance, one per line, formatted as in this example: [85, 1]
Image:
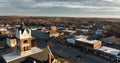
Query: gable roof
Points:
[23, 27]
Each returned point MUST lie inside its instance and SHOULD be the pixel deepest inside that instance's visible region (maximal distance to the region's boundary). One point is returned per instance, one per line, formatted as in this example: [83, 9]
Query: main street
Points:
[74, 55]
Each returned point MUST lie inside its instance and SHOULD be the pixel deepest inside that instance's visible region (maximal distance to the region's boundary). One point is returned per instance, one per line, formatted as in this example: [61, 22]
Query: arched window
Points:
[26, 42]
[26, 48]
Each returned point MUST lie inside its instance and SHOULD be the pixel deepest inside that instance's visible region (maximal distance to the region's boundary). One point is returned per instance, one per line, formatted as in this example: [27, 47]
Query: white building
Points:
[11, 41]
[110, 51]
[99, 32]
[72, 40]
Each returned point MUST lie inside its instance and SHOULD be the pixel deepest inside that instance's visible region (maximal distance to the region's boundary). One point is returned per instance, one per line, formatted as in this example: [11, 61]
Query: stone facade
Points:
[23, 35]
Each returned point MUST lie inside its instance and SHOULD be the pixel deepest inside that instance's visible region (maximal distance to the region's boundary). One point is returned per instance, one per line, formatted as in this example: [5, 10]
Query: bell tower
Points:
[23, 35]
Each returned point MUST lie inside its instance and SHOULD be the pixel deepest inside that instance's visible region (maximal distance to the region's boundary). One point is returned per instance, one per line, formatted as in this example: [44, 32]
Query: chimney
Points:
[49, 58]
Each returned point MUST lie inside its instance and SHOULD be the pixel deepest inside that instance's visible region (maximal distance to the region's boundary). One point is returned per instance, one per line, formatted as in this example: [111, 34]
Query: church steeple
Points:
[23, 35]
[23, 26]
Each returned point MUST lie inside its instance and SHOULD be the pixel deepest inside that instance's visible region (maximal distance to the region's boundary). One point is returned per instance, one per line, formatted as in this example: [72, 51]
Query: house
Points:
[3, 32]
[53, 32]
[112, 40]
[7, 25]
[11, 41]
[67, 31]
[99, 32]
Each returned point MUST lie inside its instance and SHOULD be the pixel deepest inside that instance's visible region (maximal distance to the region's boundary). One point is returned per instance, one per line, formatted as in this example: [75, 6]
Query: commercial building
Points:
[89, 44]
[108, 52]
[84, 42]
[72, 40]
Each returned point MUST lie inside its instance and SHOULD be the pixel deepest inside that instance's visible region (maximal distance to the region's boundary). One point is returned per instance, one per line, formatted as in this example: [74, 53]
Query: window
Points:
[26, 48]
[26, 42]
[18, 48]
[18, 43]
[119, 54]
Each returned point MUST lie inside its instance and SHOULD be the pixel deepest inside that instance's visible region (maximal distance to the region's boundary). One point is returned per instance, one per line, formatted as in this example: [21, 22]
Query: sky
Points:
[68, 8]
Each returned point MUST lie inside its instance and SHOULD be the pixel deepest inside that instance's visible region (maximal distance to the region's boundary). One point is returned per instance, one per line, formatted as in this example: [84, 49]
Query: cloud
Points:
[4, 3]
[28, 0]
[77, 5]
[59, 6]
[114, 1]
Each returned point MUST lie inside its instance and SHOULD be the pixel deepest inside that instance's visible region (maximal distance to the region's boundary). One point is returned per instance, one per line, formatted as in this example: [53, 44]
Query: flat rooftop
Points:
[88, 41]
[80, 36]
[14, 55]
[69, 31]
[110, 50]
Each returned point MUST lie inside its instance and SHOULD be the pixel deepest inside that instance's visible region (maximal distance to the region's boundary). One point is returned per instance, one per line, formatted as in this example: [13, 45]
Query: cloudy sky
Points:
[73, 8]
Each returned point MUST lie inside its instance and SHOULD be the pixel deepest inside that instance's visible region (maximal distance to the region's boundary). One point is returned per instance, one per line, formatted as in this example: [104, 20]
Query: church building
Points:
[24, 52]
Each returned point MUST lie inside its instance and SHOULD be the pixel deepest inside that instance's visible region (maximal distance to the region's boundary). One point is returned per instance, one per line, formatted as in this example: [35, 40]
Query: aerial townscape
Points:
[36, 40]
[59, 31]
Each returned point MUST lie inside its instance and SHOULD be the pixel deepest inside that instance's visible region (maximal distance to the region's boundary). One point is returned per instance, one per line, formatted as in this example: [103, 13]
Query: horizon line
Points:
[61, 16]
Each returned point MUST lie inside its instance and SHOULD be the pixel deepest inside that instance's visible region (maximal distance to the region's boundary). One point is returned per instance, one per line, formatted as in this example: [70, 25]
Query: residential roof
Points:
[11, 37]
[69, 31]
[53, 32]
[3, 29]
[23, 26]
[112, 39]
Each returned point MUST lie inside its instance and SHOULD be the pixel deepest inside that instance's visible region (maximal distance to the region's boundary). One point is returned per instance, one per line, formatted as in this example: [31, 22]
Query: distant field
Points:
[45, 19]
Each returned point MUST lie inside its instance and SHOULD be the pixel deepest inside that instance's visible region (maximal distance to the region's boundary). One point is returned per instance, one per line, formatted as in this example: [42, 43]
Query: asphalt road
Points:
[71, 54]
[74, 55]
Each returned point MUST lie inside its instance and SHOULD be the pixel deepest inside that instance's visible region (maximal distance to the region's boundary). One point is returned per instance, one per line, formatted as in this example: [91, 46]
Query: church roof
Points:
[23, 27]
[40, 57]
